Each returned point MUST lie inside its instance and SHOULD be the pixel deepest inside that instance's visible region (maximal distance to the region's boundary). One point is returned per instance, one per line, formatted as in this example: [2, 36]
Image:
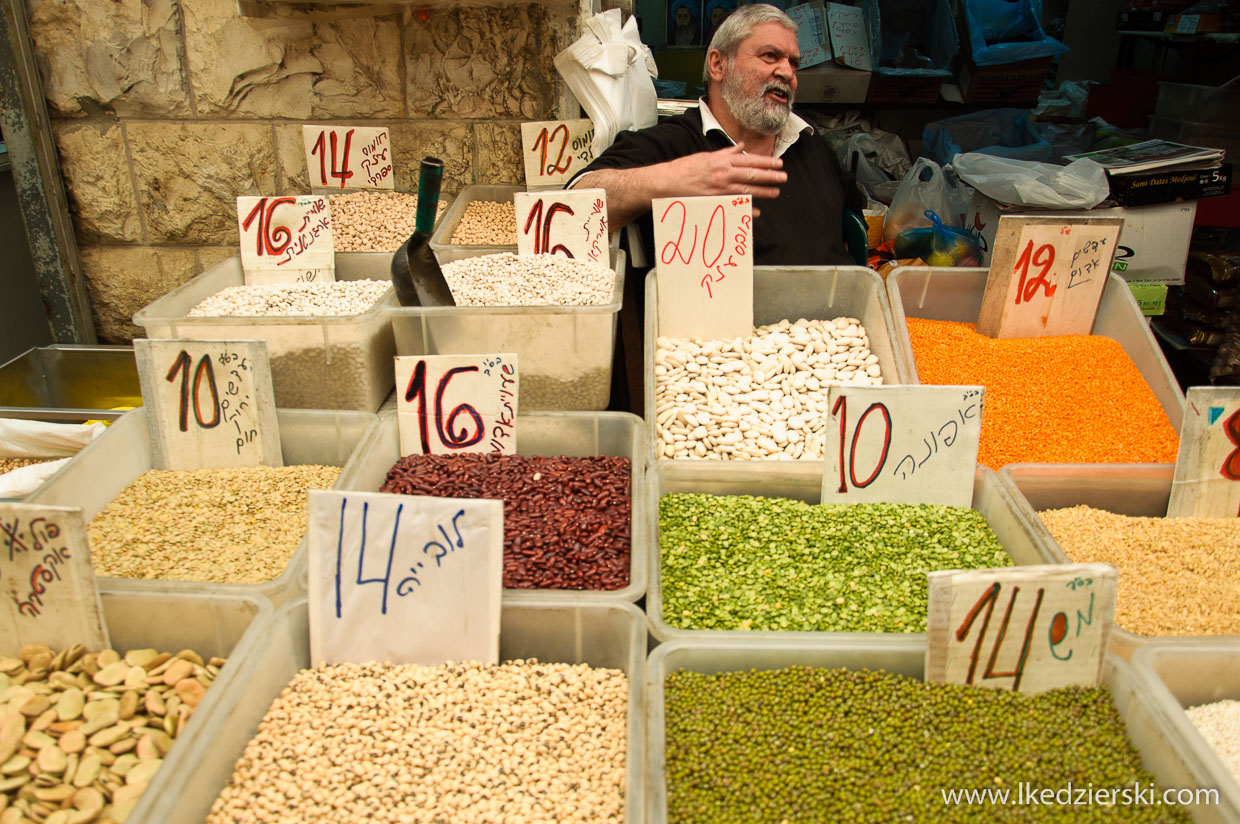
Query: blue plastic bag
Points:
[911, 37]
[1000, 132]
[1008, 31]
[939, 244]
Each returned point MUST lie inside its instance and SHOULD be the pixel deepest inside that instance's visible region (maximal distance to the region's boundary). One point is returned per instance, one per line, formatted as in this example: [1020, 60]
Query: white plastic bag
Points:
[859, 155]
[921, 189]
[609, 69]
[22, 481]
[39, 439]
[1081, 184]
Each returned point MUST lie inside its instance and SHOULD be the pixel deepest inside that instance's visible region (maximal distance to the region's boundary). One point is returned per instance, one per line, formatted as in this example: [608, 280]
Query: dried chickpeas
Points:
[233, 526]
[515, 742]
[1177, 576]
[373, 221]
[487, 223]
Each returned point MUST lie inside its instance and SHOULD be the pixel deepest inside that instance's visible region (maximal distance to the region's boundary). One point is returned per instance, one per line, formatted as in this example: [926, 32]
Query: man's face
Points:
[760, 82]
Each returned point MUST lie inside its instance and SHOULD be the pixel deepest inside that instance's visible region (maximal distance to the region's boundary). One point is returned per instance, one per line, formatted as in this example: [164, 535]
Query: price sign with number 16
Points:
[449, 404]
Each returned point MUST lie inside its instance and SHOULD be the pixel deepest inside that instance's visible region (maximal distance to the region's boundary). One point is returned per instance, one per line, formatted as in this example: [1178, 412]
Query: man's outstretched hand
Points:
[726, 172]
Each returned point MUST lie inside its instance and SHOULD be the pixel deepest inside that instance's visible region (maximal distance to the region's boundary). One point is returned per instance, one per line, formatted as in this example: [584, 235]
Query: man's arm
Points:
[724, 172]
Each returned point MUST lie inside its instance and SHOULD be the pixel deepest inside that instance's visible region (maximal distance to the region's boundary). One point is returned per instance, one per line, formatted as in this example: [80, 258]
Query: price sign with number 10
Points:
[209, 403]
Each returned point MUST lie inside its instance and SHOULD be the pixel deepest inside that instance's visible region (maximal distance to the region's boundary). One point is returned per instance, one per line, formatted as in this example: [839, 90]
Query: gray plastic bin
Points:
[791, 293]
[102, 470]
[802, 481]
[602, 635]
[441, 238]
[576, 434]
[1185, 674]
[564, 353]
[1141, 490]
[956, 295]
[340, 362]
[1147, 727]
[222, 624]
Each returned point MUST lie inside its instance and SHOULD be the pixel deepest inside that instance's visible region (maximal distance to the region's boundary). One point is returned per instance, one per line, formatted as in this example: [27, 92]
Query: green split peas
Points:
[738, 562]
[830, 745]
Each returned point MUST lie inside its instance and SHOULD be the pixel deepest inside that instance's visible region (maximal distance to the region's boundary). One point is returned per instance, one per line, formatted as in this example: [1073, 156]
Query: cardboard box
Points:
[829, 83]
[1008, 84]
[1151, 297]
[1153, 245]
[812, 37]
[1163, 186]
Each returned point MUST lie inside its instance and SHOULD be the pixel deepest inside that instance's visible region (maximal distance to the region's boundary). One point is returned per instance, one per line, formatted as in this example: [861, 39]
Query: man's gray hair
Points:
[737, 26]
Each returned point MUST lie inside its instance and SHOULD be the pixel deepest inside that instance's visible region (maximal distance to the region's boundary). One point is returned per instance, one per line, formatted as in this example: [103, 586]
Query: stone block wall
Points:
[164, 111]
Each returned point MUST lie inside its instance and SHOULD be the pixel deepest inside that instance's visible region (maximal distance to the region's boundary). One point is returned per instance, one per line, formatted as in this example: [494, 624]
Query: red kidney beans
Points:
[567, 521]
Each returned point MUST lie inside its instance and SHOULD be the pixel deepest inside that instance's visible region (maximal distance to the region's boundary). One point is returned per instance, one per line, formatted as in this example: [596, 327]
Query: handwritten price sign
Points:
[47, 585]
[555, 150]
[404, 578]
[1047, 275]
[448, 404]
[209, 403]
[1208, 466]
[848, 36]
[286, 239]
[568, 222]
[902, 444]
[704, 247]
[348, 157]
[1026, 629]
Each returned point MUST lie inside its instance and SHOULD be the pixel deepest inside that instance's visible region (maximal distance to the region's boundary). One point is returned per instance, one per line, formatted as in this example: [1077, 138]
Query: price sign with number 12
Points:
[704, 252]
[449, 404]
[209, 403]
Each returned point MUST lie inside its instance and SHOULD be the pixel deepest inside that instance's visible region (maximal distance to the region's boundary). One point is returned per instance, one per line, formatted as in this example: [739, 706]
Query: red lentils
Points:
[1064, 399]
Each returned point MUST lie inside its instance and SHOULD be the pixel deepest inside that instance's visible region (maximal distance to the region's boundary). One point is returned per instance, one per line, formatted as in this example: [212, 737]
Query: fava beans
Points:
[567, 521]
[736, 562]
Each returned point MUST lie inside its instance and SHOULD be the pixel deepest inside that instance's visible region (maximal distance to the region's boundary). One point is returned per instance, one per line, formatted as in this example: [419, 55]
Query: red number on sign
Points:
[542, 228]
[561, 163]
[340, 161]
[987, 602]
[1044, 258]
[270, 241]
[841, 408]
[674, 246]
[204, 369]
[447, 436]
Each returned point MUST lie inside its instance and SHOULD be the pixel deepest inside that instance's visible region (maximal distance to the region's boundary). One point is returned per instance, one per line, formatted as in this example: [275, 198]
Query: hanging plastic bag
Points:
[859, 155]
[1081, 184]
[939, 244]
[922, 189]
[959, 197]
[610, 70]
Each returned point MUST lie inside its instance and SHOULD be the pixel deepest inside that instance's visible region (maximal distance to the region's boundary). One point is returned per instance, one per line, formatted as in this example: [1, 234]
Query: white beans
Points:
[342, 297]
[532, 280]
[374, 221]
[759, 397]
[518, 742]
[1219, 724]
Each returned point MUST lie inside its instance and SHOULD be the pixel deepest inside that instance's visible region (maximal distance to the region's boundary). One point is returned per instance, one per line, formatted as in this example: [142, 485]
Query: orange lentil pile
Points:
[1065, 399]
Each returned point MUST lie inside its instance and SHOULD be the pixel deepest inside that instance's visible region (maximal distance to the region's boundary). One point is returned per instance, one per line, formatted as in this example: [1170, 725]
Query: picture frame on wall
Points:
[684, 24]
[715, 12]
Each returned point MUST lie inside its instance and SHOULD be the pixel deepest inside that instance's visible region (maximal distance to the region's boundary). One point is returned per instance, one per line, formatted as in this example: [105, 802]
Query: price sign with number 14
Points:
[209, 403]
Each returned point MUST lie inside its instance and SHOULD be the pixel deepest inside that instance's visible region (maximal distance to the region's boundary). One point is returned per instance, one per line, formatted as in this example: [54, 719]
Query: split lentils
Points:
[763, 396]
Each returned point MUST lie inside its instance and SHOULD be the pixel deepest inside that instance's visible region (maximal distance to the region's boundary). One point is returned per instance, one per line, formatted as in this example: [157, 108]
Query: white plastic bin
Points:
[601, 635]
[1147, 727]
[102, 470]
[1140, 490]
[791, 293]
[342, 362]
[576, 434]
[564, 353]
[802, 481]
[441, 238]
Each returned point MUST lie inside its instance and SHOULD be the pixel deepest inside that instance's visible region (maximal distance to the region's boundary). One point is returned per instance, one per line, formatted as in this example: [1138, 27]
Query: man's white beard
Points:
[754, 113]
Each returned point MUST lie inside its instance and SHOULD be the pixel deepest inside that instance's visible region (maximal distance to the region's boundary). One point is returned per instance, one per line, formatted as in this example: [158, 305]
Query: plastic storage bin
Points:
[956, 295]
[802, 480]
[1186, 674]
[441, 238]
[340, 362]
[1147, 727]
[69, 383]
[228, 625]
[564, 353]
[102, 470]
[577, 434]
[1141, 490]
[792, 293]
[602, 635]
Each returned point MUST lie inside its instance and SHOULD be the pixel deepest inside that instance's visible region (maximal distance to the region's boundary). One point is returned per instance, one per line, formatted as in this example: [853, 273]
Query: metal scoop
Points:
[415, 271]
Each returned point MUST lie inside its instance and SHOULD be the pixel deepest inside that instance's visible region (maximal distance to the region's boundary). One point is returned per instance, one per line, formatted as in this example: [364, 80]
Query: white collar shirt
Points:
[793, 128]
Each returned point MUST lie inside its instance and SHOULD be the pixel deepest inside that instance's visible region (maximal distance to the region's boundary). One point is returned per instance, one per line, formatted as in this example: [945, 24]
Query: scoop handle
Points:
[430, 180]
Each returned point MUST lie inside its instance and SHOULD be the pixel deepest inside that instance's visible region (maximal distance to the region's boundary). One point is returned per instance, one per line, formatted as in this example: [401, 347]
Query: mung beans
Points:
[239, 525]
[567, 521]
[1177, 576]
[86, 732]
[1061, 399]
[736, 562]
[830, 745]
[1219, 725]
[517, 742]
[487, 223]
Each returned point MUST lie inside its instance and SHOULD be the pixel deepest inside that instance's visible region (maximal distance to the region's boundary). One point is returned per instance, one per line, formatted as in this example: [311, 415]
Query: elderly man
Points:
[742, 139]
